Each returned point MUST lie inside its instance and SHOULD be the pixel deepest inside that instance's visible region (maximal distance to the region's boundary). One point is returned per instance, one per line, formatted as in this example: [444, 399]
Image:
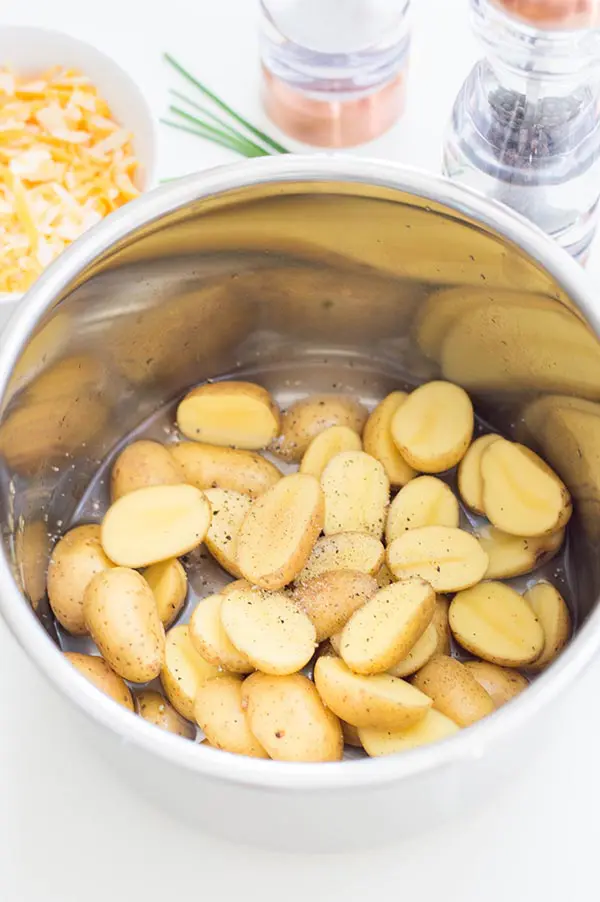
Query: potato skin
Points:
[122, 617]
[501, 683]
[305, 419]
[141, 464]
[331, 598]
[211, 467]
[97, 671]
[75, 560]
[378, 441]
[155, 708]
[168, 581]
[454, 690]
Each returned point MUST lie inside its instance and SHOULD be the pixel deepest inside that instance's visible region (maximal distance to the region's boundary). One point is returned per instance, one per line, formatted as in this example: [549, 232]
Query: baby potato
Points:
[385, 628]
[142, 464]
[379, 700]
[228, 510]
[154, 708]
[344, 551]
[500, 683]
[357, 494]
[521, 494]
[552, 612]
[208, 467]
[448, 559]
[378, 441]
[454, 690]
[269, 629]
[183, 671]
[307, 418]
[325, 446]
[210, 639]
[441, 622]
[424, 648]
[510, 556]
[289, 719]
[168, 581]
[279, 531]
[121, 615]
[97, 671]
[75, 560]
[497, 624]
[331, 598]
[470, 482]
[32, 548]
[219, 713]
[229, 414]
[434, 727]
[425, 501]
[154, 524]
[236, 584]
[434, 427]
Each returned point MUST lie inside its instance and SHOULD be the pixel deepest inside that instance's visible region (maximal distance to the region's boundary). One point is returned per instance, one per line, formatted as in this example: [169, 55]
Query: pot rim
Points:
[468, 745]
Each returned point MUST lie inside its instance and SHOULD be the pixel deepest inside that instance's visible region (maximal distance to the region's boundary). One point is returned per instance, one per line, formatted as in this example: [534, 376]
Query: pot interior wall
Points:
[318, 277]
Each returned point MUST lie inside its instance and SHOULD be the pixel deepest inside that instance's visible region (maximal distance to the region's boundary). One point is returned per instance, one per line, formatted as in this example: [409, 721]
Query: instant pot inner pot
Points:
[302, 288]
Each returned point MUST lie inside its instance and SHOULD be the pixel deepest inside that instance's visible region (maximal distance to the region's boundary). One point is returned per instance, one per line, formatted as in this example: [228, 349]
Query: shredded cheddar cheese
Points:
[64, 165]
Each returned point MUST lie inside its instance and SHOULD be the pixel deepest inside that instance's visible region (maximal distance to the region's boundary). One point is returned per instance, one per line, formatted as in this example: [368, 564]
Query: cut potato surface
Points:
[552, 612]
[434, 727]
[307, 418]
[425, 501]
[219, 713]
[183, 671]
[142, 464]
[288, 717]
[229, 414]
[453, 690]
[501, 683]
[210, 639]
[168, 581]
[448, 559]
[384, 630]
[228, 510]
[470, 482]
[75, 560]
[280, 530]
[155, 524]
[424, 648]
[326, 445]
[209, 467]
[357, 494]
[380, 700]
[378, 441]
[331, 598]
[344, 551]
[269, 629]
[497, 624]
[154, 708]
[433, 428]
[97, 671]
[510, 556]
[521, 495]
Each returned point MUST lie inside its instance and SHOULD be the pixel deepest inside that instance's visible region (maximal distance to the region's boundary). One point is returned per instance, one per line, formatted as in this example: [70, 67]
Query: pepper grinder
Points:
[525, 127]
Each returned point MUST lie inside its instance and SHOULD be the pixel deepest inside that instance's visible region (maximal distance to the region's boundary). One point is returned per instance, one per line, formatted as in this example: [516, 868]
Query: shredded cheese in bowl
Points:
[64, 165]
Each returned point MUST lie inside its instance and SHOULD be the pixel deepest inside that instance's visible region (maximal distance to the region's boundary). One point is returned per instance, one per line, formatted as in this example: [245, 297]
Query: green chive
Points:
[231, 144]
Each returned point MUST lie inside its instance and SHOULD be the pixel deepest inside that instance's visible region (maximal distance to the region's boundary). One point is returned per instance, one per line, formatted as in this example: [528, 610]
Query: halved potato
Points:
[325, 446]
[230, 414]
[378, 441]
[210, 639]
[219, 712]
[380, 700]
[434, 727]
[425, 501]
[433, 428]
[236, 584]
[331, 598]
[183, 671]
[288, 717]
[501, 683]
[269, 629]
[454, 690]
[448, 559]
[228, 510]
[141, 464]
[386, 627]
[97, 671]
[497, 624]
[307, 418]
[75, 560]
[516, 555]
[470, 482]
[552, 612]
[154, 524]
[279, 531]
[424, 648]
[344, 551]
[521, 495]
[154, 708]
[357, 494]
[168, 581]
[209, 467]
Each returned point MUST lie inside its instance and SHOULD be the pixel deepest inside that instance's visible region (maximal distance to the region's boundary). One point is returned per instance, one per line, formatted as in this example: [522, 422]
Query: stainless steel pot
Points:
[310, 272]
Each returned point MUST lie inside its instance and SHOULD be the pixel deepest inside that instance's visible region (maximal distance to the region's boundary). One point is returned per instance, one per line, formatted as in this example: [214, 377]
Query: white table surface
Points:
[69, 830]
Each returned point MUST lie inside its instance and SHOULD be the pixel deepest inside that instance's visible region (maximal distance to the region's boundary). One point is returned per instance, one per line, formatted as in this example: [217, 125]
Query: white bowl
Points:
[30, 51]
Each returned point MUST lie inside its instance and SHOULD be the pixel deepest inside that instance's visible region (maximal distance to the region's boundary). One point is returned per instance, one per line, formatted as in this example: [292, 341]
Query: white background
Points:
[69, 830]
